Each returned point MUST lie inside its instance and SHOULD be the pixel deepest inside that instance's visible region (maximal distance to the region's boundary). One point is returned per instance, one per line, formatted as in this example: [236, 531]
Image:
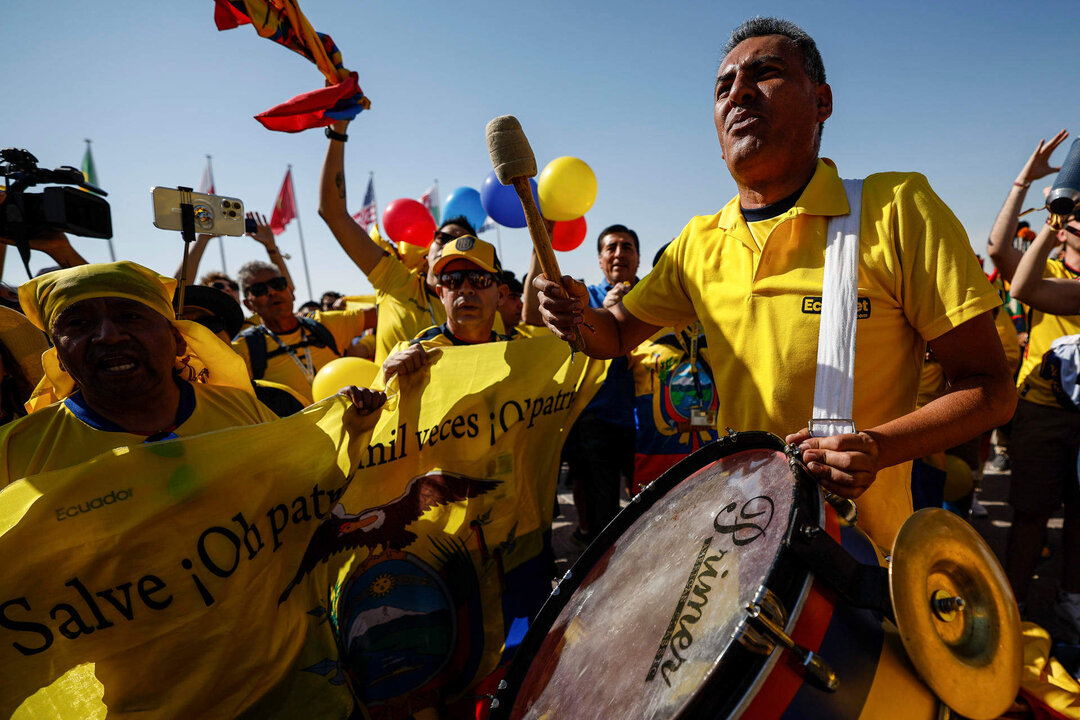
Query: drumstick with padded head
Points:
[514, 163]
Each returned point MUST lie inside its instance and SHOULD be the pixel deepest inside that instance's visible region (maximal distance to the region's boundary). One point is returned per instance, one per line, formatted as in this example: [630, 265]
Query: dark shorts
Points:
[1043, 450]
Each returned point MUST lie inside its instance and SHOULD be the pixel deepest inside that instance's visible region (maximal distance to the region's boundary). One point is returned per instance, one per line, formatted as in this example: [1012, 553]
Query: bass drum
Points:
[698, 601]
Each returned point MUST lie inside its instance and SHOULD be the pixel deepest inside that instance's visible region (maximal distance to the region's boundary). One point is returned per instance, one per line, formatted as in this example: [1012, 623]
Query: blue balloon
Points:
[465, 202]
[501, 201]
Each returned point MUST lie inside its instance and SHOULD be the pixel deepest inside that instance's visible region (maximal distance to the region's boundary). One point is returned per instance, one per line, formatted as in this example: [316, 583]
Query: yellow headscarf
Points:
[208, 359]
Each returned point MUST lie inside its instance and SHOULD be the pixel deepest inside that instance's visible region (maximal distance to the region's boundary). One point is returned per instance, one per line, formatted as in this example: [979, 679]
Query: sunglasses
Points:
[222, 285]
[262, 288]
[477, 278]
[1071, 230]
[443, 237]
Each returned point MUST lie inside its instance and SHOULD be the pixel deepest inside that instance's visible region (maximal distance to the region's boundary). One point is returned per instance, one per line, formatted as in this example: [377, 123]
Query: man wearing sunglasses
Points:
[406, 296]
[471, 291]
[285, 348]
[1045, 436]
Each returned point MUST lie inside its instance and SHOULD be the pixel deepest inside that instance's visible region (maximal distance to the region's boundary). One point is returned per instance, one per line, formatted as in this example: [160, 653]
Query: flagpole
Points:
[303, 252]
[221, 238]
[498, 240]
[112, 251]
[438, 202]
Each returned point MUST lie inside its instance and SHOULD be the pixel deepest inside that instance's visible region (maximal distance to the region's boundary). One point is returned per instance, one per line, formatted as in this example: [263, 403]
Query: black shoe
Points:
[580, 539]
[1000, 463]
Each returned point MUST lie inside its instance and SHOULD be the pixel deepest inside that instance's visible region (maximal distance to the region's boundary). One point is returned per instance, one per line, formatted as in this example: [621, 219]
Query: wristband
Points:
[1015, 184]
[336, 135]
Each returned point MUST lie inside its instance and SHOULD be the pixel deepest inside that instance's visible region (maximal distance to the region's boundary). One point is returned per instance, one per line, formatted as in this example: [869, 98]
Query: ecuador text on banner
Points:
[154, 573]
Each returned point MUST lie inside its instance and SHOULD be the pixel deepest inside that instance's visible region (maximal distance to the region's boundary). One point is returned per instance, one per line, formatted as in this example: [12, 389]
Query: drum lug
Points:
[763, 614]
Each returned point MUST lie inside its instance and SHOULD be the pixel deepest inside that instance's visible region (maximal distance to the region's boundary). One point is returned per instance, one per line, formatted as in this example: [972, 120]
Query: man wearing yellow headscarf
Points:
[123, 371]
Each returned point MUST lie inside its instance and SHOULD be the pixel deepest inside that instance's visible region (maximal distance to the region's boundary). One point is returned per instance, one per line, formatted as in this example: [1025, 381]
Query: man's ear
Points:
[504, 295]
[247, 304]
[824, 102]
[181, 343]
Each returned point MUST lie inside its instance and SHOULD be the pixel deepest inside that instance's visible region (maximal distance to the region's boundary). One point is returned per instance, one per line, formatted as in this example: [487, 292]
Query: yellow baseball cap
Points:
[469, 248]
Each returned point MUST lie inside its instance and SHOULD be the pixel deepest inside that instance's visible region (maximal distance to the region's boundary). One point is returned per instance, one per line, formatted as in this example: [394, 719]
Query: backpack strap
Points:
[256, 345]
[317, 335]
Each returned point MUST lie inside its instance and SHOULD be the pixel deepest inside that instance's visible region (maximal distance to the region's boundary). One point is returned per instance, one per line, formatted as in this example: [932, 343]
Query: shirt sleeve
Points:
[390, 276]
[660, 298]
[943, 282]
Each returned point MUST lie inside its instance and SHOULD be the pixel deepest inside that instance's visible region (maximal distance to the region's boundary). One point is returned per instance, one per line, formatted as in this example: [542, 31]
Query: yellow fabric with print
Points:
[344, 325]
[54, 437]
[918, 279]
[1043, 678]
[207, 358]
[227, 555]
[1043, 329]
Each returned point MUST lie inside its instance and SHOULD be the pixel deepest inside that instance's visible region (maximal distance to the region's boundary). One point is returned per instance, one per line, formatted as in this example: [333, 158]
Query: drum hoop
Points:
[724, 446]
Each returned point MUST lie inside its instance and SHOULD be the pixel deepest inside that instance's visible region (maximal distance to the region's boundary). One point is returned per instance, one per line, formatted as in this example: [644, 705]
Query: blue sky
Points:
[961, 92]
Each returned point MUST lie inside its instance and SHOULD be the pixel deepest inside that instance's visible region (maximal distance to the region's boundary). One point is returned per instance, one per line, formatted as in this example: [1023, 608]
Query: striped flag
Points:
[284, 206]
[430, 200]
[367, 215]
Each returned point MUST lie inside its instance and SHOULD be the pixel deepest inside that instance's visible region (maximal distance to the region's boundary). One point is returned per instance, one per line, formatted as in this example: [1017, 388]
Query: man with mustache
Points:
[754, 275]
[469, 285]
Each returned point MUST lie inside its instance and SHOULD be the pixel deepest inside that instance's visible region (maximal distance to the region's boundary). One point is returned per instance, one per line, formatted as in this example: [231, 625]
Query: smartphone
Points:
[214, 214]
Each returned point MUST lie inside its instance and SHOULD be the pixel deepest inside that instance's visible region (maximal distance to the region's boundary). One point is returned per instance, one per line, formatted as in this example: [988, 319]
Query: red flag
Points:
[317, 108]
[284, 207]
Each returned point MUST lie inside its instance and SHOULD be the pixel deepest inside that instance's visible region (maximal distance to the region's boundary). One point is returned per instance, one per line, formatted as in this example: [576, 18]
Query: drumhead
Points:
[646, 623]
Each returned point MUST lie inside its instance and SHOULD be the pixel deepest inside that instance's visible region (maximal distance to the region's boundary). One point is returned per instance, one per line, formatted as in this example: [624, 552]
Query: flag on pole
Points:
[284, 23]
[284, 206]
[489, 224]
[206, 185]
[430, 200]
[367, 215]
[88, 170]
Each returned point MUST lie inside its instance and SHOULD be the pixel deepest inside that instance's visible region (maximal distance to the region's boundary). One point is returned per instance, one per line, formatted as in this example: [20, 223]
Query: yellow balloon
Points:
[959, 480]
[342, 372]
[567, 189]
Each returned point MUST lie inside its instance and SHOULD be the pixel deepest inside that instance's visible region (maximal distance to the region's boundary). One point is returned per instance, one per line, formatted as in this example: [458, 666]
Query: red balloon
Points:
[568, 234]
[407, 220]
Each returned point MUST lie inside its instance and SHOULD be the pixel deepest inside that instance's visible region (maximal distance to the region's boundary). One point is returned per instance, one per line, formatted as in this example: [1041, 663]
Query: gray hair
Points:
[249, 270]
[760, 26]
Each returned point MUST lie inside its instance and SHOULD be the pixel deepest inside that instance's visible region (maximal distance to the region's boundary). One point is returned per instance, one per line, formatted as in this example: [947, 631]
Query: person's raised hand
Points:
[1038, 165]
[615, 294]
[845, 465]
[561, 304]
[263, 234]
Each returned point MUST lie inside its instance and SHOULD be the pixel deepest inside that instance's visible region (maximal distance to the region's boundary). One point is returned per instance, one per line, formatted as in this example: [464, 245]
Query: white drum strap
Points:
[834, 385]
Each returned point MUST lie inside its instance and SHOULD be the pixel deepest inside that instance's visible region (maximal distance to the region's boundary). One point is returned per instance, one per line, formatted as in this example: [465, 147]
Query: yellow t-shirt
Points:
[918, 279]
[1043, 329]
[65, 433]
[344, 325]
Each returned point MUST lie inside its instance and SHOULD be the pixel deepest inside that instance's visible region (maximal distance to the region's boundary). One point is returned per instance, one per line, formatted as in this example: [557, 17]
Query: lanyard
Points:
[308, 368]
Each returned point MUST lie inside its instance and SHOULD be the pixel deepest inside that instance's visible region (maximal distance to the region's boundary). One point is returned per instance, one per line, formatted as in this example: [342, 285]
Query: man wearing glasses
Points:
[471, 291]
[285, 348]
[405, 296]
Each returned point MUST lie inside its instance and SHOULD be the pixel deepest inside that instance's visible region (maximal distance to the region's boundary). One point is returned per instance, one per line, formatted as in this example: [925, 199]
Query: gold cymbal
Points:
[956, 614]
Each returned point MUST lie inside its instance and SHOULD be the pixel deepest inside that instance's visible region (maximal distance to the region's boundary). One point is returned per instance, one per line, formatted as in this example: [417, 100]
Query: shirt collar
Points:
[76, 403]
[824, 195]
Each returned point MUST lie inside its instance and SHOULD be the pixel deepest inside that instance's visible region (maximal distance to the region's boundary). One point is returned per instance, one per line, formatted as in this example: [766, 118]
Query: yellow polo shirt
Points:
[760, 309]
[344, 325]
[65, 434]
[1043, 329]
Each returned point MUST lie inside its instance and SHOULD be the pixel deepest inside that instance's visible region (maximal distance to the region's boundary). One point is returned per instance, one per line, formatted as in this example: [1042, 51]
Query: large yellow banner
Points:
[301, 568]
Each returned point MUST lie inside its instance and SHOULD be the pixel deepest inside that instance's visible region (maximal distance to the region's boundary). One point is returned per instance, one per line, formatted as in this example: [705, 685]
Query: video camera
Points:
[23, 214]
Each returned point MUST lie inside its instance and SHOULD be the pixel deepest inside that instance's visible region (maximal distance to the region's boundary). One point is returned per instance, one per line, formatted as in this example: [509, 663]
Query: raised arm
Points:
[55, 244]
[1057, 296]
[1004, 256]
[606, 332]
[194, 257]
[333, 208]
[265, 237]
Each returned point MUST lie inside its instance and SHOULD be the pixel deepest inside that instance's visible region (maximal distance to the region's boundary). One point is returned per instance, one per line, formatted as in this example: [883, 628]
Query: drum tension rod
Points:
[818, 671]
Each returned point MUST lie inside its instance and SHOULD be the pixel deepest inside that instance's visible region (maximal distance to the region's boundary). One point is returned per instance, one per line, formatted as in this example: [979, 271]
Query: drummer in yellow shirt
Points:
[752, 274]
[123, 371]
